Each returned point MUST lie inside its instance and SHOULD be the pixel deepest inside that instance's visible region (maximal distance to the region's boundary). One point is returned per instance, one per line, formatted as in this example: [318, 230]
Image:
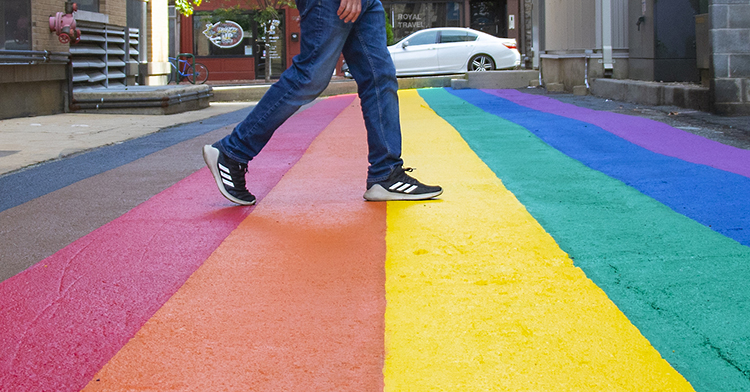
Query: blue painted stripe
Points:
[27, 184]
[715, 198]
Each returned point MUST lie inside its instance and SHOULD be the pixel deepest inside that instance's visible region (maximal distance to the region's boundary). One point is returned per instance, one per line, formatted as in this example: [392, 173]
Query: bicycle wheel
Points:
[199, 75]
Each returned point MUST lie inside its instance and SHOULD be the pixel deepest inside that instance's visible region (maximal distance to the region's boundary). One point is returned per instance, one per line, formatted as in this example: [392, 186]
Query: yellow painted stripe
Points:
[481, 298]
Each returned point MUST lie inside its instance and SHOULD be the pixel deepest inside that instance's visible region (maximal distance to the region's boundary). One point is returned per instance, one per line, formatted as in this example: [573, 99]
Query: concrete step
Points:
[252, 93]
[497, 79]
[682, 95]
[144, 100]
[492, 79]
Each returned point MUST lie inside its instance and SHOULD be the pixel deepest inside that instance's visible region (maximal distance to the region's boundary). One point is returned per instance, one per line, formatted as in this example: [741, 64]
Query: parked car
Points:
[447, 50]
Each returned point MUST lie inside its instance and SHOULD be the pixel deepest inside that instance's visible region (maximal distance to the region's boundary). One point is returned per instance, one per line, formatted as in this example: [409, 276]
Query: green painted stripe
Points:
[683, 285]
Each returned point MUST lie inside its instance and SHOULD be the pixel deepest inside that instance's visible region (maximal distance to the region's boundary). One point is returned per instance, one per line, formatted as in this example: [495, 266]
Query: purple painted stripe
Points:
[652, 135]
[64, 318]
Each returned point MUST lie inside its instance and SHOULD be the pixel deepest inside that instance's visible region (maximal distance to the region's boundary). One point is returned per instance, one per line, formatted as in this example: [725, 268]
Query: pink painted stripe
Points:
[64, 318]
[653, 135]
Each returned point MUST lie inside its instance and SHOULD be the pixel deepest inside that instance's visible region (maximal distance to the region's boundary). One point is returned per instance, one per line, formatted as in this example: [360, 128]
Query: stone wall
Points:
[730, 60]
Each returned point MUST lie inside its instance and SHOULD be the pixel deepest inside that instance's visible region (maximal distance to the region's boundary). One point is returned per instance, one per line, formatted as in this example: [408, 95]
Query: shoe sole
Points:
[378, 193]
[211, 157]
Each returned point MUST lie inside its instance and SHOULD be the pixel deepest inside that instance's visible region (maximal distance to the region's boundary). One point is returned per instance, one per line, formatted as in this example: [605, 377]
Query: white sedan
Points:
[447, 50]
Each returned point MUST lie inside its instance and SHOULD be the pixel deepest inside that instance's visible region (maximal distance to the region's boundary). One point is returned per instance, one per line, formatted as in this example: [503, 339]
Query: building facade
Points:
[246, 59]
[43, 61]
[703, 42]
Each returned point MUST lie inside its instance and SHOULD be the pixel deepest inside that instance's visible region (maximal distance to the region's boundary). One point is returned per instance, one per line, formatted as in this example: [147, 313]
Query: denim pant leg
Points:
[371, 66]
[322, 36]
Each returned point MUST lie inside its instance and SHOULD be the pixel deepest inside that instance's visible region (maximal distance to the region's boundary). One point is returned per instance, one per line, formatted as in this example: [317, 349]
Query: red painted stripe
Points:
[64, 318]
[293, 300]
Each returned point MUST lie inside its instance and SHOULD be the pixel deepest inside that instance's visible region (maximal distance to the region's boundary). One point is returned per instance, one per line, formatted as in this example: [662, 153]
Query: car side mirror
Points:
[405, 44]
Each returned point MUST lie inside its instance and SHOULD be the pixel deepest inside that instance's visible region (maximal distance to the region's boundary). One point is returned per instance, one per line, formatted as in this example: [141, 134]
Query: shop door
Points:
[490, 17]
[276, 49]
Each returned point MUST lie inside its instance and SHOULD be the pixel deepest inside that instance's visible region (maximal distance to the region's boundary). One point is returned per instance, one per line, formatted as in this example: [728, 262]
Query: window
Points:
[407, 18]
[426, 38]
[15, 33]
[202, 30]
[456, 36]
[88, 5]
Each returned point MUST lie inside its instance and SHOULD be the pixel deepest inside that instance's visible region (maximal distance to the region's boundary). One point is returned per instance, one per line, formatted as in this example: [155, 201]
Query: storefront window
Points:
[233, 32]
[223, 33]
[15, 33]
[407, 18]
[489, 17]
[275, 50]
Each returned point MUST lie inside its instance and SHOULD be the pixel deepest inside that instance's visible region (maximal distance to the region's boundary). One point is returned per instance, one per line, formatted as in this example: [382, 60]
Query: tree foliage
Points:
[388, 30]
[186, 7]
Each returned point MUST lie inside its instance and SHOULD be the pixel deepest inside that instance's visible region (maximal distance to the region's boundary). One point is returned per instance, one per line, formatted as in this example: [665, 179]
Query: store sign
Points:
[226, 34]
[410, 21]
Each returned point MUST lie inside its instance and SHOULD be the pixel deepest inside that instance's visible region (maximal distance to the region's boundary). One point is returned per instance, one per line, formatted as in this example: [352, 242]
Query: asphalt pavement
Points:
[581, 244]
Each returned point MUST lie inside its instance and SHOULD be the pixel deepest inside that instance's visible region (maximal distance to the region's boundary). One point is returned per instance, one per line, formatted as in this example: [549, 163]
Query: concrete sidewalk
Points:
[32, 140]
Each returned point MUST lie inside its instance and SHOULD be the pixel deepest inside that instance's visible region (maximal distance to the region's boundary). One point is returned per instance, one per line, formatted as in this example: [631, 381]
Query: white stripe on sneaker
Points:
[410, 190]
[223, 168]
[396, 185]
[401, 188]
[227, 182]
[225, 175]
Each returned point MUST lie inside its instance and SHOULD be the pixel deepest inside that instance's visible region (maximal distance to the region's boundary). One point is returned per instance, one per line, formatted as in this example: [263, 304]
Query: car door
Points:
[454, 50]
[416, 54]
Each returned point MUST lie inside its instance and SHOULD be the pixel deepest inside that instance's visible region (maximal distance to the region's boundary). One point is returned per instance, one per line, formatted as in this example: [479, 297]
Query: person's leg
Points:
[322, 37]
[371, 66]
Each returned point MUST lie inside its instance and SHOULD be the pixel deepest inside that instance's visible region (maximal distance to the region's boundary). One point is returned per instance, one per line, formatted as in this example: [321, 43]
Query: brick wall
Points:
[730, 60]
[41, 10]
[41, 36]
[117, 11]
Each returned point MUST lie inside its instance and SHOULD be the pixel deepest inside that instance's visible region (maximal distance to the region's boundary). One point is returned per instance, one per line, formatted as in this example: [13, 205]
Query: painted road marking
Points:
[481, 298]
[293, 300]
[683, 285]
[653, 135]
[64, 318]
[716, 198]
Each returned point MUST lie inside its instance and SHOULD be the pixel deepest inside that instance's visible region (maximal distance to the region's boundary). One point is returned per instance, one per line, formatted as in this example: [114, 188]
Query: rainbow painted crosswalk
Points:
[572, 250]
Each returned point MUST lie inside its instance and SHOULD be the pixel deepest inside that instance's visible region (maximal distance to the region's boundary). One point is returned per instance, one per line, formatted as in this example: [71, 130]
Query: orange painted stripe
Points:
[293, 299]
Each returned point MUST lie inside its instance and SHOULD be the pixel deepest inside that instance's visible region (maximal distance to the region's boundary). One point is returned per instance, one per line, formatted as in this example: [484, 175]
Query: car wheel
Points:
[481, 62]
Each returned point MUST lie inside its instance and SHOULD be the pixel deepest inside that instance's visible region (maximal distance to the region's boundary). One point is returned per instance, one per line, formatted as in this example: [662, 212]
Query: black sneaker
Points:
[400, 186]
[229, 176]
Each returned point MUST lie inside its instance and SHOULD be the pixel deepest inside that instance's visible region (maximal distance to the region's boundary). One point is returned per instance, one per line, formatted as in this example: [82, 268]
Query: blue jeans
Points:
[323, 38]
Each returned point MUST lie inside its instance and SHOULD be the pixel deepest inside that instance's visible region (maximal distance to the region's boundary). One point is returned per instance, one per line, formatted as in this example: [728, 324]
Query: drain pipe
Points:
[540, 75]
[586, 58]
[607, 38]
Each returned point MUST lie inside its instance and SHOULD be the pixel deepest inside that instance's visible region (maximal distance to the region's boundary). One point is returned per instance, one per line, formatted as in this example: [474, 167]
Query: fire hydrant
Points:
[64, 24]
